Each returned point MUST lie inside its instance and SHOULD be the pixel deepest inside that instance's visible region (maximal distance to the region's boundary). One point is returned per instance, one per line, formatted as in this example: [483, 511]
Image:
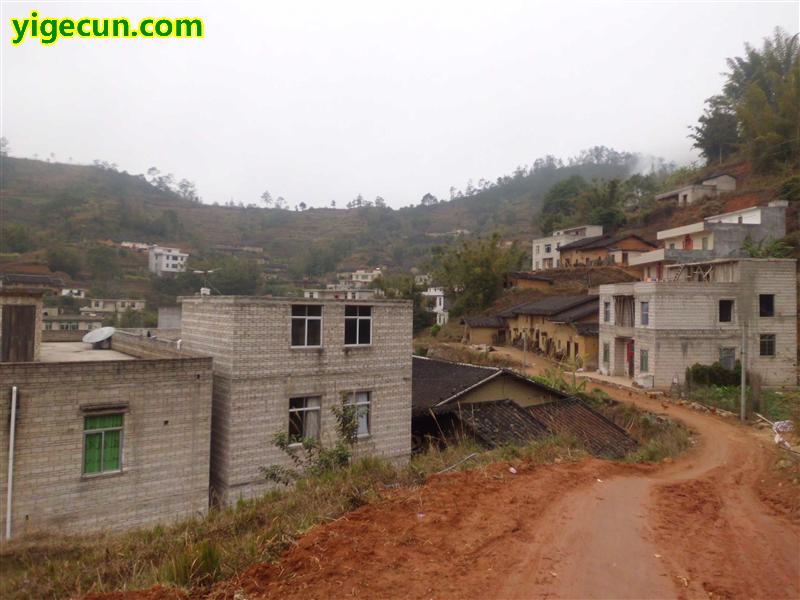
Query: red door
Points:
[630, 356]
[687, 242]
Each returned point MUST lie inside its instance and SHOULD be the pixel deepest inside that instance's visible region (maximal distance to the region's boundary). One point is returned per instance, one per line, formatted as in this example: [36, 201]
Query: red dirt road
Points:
[692, 529]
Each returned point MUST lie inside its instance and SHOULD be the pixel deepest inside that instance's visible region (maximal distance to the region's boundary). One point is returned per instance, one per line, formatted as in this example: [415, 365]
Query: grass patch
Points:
[774, 405]
[197, 552]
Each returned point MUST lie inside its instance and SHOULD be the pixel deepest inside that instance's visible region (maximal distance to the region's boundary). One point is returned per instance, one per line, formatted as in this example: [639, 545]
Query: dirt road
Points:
[594, 529]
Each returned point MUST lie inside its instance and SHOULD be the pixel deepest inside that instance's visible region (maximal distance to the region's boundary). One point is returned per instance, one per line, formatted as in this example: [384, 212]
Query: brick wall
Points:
[165, 449]
[256, 372]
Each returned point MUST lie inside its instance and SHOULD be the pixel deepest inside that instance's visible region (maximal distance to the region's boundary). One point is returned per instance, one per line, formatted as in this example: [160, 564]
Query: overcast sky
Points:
[317, 101]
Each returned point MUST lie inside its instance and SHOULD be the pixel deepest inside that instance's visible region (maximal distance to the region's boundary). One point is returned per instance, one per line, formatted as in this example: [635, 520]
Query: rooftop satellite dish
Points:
[99, 335]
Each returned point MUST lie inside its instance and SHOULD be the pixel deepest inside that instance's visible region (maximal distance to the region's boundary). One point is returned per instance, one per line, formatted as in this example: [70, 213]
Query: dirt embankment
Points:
[695, 528]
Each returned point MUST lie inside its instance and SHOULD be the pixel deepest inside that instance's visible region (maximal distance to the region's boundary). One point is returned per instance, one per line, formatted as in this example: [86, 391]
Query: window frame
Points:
[761, 310]
[772, 339]
[606, 353]
[305, 318]
[732, 310]
[644, 360]
[303, 410]
[644, 315]
[358, 318]
[102, 431]
[606, 312]
[352, 400]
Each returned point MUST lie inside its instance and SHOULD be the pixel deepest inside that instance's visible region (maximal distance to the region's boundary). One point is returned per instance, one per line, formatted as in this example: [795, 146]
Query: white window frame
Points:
[304, 409]
[643, 313]
[306, 318]
[353, 399]
[359, 319]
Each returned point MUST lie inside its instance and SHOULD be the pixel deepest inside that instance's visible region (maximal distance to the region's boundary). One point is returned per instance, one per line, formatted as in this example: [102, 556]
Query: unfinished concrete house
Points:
[721, 310]
[718, 236]
[99, 439]
[710, 187]
[280, 365]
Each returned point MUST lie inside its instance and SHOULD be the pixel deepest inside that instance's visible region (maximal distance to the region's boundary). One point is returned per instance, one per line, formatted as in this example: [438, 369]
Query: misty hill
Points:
[80, 204]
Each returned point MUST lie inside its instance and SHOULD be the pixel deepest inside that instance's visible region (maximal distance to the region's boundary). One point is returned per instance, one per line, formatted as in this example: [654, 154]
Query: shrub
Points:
[714, 374]
[435, 330]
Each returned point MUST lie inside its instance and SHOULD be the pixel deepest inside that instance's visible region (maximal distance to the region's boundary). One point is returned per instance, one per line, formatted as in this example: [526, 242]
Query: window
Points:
[645, 306]
[644, 361]
[48, 326]
[726, 311]
[304, 416]
[547, 248]
[727, 357]
[704, 243]
[537, 248]
[767, 344]
[606, 312]
[606, 354]
[766, 305]
[72, 326]
[358, 324]
[362, 402]
[102, 444]
[672, 246]
[577, 352]
[306, 325]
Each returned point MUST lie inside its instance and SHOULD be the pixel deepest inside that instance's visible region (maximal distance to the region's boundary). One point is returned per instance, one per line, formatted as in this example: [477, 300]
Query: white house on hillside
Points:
[166, 261]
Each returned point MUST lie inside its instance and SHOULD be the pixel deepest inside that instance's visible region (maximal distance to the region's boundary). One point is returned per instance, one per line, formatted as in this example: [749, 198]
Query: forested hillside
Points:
[46, 204]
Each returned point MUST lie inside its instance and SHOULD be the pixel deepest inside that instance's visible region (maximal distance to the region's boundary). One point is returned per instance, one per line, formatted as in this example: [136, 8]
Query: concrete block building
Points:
[721, 310]
[710, 187]
[104, 439]
[545, 250]
[281, 364]
[718, 236]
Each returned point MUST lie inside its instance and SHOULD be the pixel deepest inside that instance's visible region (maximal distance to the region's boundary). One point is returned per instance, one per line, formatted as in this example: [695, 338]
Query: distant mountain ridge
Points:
[80, 203]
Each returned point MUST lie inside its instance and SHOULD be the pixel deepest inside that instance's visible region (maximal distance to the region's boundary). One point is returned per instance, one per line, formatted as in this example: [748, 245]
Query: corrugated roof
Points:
[599, 435]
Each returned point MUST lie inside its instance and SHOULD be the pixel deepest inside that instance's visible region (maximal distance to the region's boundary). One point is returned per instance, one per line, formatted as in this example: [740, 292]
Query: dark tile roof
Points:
[578, 312]
[588, 329]
[493, 322]
[548, 306]
[24, 279]
[530, 276]
[600, 241]
[498, 422]
[599, 435]
[434, 381]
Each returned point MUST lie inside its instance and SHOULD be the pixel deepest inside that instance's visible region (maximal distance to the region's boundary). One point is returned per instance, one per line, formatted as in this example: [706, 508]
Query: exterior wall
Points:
[63, 335]
[169, 317]
[579, 257]
[256, 372]
[79, 323]
[723, 183]
[481, 335]
[552, 259]
[684, 327]
[507, 387]
[166, 260]
[165, 447]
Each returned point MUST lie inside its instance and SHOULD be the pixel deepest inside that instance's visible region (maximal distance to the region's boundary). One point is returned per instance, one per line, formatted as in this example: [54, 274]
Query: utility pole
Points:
[743, 380]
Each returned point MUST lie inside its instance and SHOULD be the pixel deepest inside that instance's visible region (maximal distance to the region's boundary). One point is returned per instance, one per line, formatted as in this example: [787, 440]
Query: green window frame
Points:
[644, 361]
[102, 443]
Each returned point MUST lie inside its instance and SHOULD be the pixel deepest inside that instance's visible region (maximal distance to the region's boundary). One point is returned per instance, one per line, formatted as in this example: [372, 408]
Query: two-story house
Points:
[545, 250]
[281, 364]
[166, 261]
[722, 310]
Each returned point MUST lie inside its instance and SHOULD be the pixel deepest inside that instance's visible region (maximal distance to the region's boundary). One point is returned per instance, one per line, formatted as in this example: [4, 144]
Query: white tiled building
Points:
[545, 250]
[168, 261]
